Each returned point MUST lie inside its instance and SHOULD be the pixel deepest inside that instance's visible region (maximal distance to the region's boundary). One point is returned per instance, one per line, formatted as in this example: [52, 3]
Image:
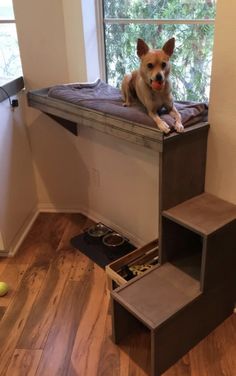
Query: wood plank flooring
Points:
[56, 321]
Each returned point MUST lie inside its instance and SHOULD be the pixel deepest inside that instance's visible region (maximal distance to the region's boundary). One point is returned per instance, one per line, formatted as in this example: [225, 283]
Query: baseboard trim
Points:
[94, 216]
[1, 243]
[21, 234]
[50, 208]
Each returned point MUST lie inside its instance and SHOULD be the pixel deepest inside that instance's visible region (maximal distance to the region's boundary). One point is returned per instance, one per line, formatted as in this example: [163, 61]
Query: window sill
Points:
[12, 87]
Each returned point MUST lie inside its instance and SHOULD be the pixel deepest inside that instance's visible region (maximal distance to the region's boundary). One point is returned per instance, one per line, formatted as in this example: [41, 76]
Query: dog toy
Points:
[156, 85]
[3, 288]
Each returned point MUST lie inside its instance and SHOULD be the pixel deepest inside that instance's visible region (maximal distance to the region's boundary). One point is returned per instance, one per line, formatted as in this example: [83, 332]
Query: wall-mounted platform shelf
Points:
[76, 115]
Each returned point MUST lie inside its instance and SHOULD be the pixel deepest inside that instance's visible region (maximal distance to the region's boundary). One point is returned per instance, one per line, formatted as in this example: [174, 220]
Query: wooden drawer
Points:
[117, 271]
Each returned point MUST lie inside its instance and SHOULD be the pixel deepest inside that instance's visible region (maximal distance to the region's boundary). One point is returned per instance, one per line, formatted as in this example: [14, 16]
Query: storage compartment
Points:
[131, 265]
[182, 248]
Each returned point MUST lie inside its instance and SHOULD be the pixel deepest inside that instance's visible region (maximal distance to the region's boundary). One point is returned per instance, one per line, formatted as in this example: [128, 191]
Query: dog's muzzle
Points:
[158, 82]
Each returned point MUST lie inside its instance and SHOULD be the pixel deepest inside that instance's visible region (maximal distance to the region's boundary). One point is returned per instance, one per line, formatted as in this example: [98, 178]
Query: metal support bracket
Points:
[71, 126]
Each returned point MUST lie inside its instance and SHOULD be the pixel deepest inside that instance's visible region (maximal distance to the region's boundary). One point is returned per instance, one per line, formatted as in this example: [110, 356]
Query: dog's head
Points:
[155, 65]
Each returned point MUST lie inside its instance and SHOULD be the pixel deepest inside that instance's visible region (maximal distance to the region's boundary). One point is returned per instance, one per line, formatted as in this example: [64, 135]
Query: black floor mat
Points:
[97, 251]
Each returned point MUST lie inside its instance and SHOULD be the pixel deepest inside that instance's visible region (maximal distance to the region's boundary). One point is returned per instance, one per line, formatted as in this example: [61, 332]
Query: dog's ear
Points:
[169, 47]
[142, 48]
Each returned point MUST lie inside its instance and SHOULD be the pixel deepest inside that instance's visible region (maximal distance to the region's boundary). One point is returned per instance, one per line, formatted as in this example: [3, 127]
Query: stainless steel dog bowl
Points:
[98, 230]
[113, 239]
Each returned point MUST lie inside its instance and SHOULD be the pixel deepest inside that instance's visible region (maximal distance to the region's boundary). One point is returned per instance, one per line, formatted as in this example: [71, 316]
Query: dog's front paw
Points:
[126, 104]
[163, 127]
[179, 127]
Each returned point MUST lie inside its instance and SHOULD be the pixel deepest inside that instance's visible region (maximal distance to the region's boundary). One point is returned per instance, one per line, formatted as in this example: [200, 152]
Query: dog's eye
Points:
[150, 65]
[163, 64]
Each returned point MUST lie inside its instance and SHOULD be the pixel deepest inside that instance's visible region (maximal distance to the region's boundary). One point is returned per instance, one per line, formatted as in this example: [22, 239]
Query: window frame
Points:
[102, 21]
[10, 21]
[7, 21]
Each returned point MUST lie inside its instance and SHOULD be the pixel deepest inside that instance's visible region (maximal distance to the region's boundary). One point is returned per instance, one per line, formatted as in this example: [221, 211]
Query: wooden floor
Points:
[56, 319]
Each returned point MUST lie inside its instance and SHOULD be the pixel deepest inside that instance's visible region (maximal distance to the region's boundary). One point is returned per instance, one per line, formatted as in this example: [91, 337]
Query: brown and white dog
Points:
[151, 85]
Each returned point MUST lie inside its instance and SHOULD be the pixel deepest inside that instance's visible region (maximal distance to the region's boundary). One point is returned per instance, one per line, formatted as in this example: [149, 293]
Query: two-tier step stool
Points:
[193, 289]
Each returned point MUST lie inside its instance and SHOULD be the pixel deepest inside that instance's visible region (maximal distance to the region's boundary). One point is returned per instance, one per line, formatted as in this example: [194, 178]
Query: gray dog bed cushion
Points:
[107, 99]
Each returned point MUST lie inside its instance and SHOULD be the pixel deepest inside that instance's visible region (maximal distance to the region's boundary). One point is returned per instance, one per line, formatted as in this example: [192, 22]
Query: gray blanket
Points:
[104, 98]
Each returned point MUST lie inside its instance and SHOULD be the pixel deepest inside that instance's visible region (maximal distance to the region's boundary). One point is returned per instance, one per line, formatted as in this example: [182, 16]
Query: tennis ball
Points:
[3, 288]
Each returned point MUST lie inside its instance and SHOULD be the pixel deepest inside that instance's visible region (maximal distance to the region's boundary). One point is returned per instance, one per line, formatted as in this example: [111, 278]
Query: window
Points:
[155, 21]
[10, 64]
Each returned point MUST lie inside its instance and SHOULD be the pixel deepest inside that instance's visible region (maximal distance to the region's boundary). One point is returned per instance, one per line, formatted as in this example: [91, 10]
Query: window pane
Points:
[10, 65]
[191, 62]
[162, 9]
[6, 10]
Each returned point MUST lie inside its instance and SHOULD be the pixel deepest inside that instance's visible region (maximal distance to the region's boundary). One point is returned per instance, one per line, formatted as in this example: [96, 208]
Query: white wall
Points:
[41, 34]
[120, 184]
[221, 158]
[18, 200]
[81, 41]
[75, 48]
[90, 40]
